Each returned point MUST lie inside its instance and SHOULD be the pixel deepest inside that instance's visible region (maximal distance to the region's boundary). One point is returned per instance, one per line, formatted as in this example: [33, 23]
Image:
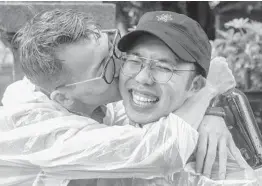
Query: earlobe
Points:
[62, 98]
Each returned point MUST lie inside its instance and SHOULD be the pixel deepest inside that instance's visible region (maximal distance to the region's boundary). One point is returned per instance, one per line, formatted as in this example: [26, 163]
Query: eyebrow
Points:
[164, 60]
[175, 61]
[159, 59]
[134, 53]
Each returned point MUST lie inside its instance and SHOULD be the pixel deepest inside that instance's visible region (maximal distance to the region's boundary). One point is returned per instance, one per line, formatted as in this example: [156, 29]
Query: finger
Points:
[236, 153]
[222, 154]
[211, 155]
[201, 152]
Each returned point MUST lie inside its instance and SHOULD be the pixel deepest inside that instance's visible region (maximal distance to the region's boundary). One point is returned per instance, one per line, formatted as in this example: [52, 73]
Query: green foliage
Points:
[241, 44]
[131, 11]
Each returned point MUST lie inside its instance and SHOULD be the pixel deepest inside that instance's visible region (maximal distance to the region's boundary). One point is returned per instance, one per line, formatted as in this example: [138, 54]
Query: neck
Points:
[99, 114]
[82, 109]
[94, 112]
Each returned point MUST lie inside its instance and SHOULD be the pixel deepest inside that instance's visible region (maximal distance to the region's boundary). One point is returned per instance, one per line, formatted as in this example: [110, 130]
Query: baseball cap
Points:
[181, 34]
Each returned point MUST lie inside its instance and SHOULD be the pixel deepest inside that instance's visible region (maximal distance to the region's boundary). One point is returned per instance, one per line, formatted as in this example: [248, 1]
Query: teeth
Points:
[143, 100]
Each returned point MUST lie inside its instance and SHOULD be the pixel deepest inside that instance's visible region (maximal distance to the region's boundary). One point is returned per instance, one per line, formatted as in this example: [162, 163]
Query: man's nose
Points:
[143, 76]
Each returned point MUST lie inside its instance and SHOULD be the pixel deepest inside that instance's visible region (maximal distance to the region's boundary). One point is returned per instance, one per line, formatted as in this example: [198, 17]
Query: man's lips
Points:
[143, 98]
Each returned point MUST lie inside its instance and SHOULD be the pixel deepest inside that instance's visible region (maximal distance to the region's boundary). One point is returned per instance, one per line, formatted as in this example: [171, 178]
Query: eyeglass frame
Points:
[149, 64]
[112, 53]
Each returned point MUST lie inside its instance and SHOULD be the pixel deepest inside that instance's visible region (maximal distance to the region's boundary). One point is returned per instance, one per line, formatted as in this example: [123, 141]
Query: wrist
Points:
[211, 87]
[215, 111]
[210, 91]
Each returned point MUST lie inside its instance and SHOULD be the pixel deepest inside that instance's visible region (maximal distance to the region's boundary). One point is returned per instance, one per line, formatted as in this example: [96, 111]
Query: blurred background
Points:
[234, 30]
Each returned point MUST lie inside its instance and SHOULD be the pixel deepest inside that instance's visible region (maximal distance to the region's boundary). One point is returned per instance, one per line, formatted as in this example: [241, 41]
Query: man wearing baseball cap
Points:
[182, 35]
[163, 60]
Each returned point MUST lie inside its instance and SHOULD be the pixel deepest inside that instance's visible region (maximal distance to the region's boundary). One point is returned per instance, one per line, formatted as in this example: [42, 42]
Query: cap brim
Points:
[127, 41]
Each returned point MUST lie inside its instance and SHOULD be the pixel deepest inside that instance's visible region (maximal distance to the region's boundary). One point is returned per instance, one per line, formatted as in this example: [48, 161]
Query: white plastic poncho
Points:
[43, 144]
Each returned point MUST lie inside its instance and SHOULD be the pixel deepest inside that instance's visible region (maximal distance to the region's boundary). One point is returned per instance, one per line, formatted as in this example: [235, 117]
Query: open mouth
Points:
[142, 99]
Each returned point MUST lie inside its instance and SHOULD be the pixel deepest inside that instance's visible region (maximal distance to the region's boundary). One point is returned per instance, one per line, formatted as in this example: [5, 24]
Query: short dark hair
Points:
[200, 70]
[42, 35]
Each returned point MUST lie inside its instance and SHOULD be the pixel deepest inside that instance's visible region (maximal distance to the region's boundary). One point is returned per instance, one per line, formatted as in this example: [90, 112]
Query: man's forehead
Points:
[154, 47]
[154, 56]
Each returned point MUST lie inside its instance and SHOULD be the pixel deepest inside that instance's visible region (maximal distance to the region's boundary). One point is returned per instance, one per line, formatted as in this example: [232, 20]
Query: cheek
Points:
[122, 84]
[168, 98]
[93, 89]
[118, 67]
[173, 95]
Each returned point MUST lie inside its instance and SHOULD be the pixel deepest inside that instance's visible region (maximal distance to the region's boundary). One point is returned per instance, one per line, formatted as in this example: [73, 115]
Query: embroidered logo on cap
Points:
[164, 17]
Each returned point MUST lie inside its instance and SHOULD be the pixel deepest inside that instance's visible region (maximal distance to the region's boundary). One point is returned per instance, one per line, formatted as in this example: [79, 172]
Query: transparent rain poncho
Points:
[42, 144]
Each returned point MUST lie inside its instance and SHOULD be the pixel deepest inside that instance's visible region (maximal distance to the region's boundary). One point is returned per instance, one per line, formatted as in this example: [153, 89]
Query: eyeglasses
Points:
[108, 71]
[113, 39]
[160, 72]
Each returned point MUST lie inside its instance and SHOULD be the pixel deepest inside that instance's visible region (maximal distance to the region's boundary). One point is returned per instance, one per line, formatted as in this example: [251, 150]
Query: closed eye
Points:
[134, 61]
[163, 66]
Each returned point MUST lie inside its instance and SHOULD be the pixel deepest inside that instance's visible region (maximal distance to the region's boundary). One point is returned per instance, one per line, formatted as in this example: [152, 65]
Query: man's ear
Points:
[197, 83]
[63, 98]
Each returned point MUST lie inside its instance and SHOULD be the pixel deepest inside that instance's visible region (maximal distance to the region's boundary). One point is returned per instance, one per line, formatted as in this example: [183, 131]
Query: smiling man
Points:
[162, 66]
[155, 81]
[165, 56]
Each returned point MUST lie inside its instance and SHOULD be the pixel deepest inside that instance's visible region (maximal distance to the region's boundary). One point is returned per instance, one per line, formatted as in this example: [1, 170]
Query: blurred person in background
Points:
[6, 62]
[6, 55]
